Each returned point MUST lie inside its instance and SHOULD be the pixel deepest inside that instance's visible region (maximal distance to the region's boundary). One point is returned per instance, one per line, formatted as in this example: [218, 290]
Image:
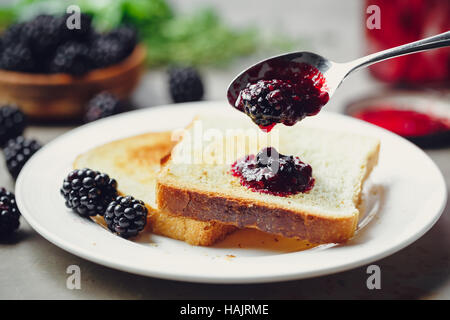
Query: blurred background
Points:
[221, 38]
[188, 50]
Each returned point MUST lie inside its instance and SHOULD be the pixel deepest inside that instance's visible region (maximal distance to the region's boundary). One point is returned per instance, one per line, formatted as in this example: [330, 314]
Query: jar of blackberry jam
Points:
[403, 21]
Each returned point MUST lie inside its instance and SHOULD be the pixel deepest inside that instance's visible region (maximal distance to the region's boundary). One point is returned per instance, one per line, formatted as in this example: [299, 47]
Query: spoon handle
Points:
[437, 41]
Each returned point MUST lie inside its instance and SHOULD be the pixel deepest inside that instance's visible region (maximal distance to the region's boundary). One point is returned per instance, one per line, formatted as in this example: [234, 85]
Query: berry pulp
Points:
[273, 173]
[285, 94]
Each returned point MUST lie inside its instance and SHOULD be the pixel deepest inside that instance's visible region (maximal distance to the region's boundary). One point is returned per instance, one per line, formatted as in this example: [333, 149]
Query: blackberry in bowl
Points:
[17, 57]
[113, 47]
[50, 38]
[72, 58]
[88, 192]
[42, 54]
[105, 51]
[42, 34]
[126, 216]
[125, 35]
[85, 32]
[11, 34]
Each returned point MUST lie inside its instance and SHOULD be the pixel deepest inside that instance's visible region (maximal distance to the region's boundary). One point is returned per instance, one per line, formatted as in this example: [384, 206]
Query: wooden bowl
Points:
[62, 96]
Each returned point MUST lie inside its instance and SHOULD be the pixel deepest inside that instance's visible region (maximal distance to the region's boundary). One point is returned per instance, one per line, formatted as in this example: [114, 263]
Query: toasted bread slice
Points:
[195, 181]
[134, 162]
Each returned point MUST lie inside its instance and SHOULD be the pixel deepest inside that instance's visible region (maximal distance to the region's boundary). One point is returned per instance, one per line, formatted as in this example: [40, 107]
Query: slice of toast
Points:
[134, 162]
[195, 180]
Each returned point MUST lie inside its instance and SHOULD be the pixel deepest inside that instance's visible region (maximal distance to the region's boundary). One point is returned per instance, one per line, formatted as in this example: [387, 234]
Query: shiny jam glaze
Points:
[273, 173]
[286, 97]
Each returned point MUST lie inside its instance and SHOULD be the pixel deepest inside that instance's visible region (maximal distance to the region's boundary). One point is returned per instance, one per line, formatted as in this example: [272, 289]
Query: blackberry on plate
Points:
[126, 35]
[126, 216]
[88, 192]
[72, 58]
[42, 34]
[17, 152]
[12, 123]
[9, 213]
[17, 57]
[103, 105]
[106, 51]
[185, 84]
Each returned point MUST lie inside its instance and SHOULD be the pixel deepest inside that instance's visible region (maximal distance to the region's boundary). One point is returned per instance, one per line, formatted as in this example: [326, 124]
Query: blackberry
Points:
[12, 34]
[126, 216]
[12, 123]
[17, 152]
[103, 105]
[288, 100]
[274, 173]
[185, 84]
[82, 34]
[88, 192]
[268, 101]
[106, 51]
[73, 58]
[9, 213]
[126, 36]
[42, 34]
[17, 57]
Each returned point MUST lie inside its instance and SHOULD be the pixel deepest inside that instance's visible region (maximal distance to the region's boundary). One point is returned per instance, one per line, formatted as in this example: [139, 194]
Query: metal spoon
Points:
[334, 72]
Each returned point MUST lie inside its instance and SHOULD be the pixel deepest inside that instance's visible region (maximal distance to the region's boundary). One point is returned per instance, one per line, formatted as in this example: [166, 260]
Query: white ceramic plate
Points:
[405, 197]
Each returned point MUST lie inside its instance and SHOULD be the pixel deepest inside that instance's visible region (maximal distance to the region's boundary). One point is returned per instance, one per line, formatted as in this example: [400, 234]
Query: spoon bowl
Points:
[281, 66]
[278, 65]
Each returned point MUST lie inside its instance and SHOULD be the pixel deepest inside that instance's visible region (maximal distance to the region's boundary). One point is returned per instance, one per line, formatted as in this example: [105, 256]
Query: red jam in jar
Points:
[403, 21]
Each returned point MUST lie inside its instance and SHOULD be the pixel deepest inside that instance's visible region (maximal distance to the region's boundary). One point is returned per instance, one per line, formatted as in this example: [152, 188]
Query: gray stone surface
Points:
[33, 268]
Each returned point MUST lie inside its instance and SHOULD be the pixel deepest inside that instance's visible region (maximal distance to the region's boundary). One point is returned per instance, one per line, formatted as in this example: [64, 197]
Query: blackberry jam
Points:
[284, 96]
[273, 173]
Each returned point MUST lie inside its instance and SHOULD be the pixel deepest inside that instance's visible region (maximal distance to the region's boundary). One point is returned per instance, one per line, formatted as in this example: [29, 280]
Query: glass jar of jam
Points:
[403, 21]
